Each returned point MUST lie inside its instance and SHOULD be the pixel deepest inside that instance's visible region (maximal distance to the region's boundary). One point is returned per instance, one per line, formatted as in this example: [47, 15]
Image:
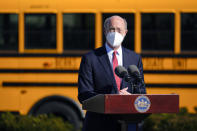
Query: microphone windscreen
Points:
[132, 69]
[121, 71]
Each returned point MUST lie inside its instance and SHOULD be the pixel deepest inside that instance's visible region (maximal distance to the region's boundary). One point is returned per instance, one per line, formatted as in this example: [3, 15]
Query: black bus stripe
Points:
[170, 55]
[172, 85]
[81, 54]
[39, 55]
[76, 71]
[170, 71]
[36, 71]
[44, 84]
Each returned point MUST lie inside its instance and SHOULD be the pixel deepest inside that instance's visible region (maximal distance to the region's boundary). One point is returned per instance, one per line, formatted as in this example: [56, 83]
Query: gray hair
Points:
[107, 22]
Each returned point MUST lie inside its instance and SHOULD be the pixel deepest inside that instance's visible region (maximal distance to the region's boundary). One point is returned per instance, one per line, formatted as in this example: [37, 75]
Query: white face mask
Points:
[114, 39]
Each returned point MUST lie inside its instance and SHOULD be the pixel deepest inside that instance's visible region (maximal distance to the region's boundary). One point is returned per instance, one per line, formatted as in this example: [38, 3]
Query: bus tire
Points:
[60, 109]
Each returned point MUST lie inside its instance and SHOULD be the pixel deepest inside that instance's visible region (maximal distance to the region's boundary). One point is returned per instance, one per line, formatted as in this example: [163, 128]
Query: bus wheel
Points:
[60, 109]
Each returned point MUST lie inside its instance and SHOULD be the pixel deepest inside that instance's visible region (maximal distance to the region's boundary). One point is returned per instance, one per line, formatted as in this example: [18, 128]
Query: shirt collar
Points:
[110, 50]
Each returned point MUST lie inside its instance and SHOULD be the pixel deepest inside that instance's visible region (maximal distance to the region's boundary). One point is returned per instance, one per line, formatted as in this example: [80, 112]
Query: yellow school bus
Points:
[42, 41]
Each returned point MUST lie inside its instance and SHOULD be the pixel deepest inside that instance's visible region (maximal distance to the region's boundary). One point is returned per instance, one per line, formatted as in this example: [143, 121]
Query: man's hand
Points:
[124, 92]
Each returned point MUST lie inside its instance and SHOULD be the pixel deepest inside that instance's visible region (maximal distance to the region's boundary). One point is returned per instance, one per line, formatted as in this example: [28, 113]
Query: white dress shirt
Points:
[118, 55]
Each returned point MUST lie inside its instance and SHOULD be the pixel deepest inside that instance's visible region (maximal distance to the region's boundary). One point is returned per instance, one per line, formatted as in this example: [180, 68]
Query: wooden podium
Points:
[132, 108]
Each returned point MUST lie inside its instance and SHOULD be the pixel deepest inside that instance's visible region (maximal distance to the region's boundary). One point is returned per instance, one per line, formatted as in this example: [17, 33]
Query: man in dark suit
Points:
[96, 74]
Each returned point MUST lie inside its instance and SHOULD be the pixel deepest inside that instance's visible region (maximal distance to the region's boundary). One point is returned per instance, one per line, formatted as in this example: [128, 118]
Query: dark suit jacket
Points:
[96, 77]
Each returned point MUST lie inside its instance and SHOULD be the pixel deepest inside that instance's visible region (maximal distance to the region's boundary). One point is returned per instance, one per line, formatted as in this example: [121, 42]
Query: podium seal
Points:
[142, 104]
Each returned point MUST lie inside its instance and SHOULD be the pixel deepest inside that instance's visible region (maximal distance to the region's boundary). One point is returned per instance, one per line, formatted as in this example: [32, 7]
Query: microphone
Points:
[127, 75]
[122, 73]
[133, 71]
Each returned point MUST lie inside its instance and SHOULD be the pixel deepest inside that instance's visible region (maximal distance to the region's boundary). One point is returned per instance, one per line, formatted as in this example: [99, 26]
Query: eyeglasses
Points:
[116, 29]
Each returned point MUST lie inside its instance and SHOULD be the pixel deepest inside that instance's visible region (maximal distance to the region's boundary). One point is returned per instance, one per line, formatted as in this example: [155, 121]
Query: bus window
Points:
[129, 39]
[157, 32]
[189, 31]
[9, 32]
[40, 31]
[79, 31]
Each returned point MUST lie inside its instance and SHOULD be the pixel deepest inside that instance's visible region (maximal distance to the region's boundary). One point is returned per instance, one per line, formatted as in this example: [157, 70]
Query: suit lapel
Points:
[125, 63]
[104, 60]
[125, 58]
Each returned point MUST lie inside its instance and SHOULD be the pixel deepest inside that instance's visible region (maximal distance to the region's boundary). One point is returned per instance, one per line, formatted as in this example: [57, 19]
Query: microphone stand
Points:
[132, 87]
[127, 78]
[135, 84]
[140, 81]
